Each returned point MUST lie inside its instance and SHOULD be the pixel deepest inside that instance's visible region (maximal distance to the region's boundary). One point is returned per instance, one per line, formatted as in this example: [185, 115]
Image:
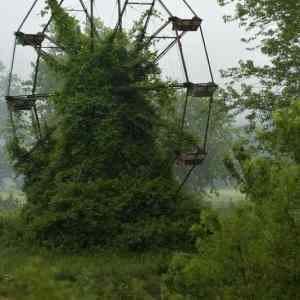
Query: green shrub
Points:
[254, 254]
[111, 213]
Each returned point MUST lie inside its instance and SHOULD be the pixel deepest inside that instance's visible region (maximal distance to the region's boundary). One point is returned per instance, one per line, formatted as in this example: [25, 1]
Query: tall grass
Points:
[43, 275]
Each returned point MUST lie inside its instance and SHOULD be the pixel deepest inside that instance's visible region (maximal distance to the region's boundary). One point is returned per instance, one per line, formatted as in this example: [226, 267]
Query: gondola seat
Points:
[20, 103]
[186, 24]
[199, 90]
[34, 40]
[193, 158]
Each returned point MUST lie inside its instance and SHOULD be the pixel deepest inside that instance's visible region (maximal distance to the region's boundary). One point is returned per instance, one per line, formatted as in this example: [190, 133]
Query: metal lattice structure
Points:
[179, 28]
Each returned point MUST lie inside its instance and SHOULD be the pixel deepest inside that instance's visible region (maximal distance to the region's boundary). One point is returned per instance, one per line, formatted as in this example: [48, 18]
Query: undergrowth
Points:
[47, 275]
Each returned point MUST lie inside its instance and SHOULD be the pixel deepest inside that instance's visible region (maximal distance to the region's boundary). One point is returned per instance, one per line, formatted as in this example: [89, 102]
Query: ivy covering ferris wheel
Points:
[171, 30]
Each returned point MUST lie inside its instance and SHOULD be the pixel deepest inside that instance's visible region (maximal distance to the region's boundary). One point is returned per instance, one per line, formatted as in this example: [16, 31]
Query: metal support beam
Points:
[206, 54]
[186, 178]
[119, 14]
[190, 8]
[27, 15]
[88, 16]
[10, 75]
[92, 26]
[150, 12]
[182, 57]
[205, 141]
[168, 48]
[165, 8]
[51, 19]
[184, 110]
[158, 31]
[120, 21]
[35, 80]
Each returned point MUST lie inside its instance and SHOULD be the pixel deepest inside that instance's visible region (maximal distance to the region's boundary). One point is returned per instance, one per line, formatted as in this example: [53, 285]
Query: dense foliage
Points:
[273, 29]
[101, 175]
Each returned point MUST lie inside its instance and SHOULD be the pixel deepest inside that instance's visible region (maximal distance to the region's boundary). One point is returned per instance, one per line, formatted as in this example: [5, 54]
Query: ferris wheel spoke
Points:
[206, 54]
[27, 15]
[190, 8]
[51, 19]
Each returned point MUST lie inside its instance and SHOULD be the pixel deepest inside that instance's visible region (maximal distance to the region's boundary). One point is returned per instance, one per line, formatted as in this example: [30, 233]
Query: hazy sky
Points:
[223, 40]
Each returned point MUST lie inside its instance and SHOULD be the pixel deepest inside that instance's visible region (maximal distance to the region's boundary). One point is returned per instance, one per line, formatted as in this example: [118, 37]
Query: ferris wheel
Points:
[161, 29]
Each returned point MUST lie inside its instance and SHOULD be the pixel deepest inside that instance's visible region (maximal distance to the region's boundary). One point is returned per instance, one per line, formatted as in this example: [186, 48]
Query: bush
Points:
[137, 216]
[253, 255]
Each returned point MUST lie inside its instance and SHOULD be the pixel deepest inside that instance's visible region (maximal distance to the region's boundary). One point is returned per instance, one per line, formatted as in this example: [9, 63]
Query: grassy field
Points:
[46, 276]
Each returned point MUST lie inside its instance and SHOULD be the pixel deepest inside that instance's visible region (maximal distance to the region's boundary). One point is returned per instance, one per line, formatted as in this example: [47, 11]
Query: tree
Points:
[100, 178]
[275, 33]
[254, 254]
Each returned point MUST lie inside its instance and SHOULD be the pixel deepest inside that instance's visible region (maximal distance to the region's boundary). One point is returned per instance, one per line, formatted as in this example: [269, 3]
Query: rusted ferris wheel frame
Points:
[180, 28]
